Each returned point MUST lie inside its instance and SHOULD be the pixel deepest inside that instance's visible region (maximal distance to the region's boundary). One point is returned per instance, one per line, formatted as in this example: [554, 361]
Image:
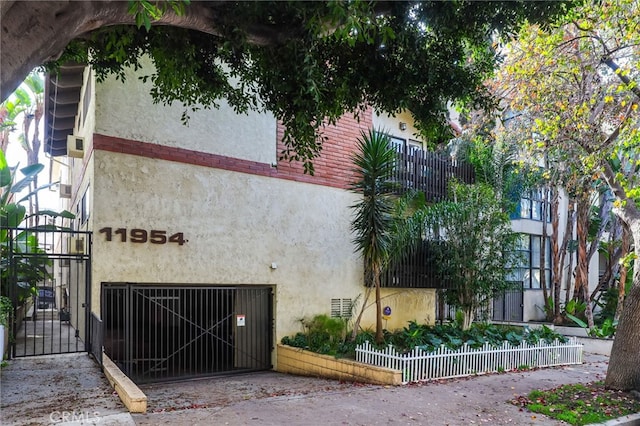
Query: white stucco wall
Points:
[406, 305]
[236, 225]
[126, 110]
[391, 125]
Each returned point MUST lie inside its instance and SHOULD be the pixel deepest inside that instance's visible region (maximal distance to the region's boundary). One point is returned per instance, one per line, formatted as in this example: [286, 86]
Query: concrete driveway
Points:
[40, 390]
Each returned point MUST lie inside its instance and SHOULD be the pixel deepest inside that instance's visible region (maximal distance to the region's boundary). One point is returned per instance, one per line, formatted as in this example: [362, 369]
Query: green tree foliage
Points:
[578, 84]
[25, 106]
[309, 62]
[20, 275]
[476, 246]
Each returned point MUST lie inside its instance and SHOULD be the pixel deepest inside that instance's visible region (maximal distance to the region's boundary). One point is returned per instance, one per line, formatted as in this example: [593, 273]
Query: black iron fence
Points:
[417, 269]
[503, 307]
[157, 333]
[447, 313]
[509, 306]
[96, 338]
[46, 274]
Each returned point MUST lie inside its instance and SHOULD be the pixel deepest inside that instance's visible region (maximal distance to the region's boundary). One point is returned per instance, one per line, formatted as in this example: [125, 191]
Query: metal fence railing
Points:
[96, 338]
[46, 272]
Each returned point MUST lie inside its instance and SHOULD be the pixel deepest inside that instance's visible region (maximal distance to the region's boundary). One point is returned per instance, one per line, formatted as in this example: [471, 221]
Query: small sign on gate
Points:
[240, 320]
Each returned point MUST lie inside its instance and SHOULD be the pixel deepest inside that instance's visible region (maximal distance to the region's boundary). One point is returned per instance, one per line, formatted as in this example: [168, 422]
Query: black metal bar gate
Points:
[509, 306]
[46, 272]
[158, 333]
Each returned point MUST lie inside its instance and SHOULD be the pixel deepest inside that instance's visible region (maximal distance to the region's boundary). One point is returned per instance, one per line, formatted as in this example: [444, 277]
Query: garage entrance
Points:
[159, 333]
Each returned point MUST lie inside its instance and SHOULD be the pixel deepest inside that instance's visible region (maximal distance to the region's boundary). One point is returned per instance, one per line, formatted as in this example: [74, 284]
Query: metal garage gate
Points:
[159, 333]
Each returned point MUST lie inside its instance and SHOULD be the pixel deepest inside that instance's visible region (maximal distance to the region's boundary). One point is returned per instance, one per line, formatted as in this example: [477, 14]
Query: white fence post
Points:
[444, 363]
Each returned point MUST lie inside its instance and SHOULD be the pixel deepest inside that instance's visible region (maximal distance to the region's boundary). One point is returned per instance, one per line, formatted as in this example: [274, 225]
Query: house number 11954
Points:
[142, 236]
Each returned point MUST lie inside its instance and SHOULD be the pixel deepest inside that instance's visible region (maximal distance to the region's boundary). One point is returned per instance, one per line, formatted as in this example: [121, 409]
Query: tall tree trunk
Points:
[356, 325]
[624, 371]
[548, 303]
[623, 273]
[468, 317]
[556, 277]
[615, 252]
[568, 235]
[624, 364]
[376, 280]
[581, 287]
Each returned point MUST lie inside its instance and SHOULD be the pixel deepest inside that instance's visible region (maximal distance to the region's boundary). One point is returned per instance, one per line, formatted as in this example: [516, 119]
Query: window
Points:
[83, 207]
[531, 205]
[405, 145]
[528, 269]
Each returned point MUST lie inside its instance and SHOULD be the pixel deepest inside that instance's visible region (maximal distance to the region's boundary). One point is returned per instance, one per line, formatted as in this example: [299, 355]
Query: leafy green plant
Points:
[6, 310]
[545, 333]
[427, 338]
[322, 334]
[476, 246]
[607, 329]
[575, 308]
[27, 271]
[323, 326]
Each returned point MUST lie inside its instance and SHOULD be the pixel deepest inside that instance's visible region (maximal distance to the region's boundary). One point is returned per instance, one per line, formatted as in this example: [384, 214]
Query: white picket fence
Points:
[445, 363]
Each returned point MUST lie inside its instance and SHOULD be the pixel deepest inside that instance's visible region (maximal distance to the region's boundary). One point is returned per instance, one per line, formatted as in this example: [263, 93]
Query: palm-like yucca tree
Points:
[373, 221]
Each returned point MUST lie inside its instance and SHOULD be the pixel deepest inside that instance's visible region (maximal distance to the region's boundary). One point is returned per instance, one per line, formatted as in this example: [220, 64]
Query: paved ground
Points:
[52, 389]
[43, 390]
[46, 335]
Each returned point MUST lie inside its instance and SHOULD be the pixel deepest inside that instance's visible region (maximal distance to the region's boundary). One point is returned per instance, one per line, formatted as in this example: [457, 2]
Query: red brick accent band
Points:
[333, 167]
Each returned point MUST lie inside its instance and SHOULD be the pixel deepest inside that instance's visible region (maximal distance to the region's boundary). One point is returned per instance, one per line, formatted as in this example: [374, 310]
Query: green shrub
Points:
[6, 310]
[327, 336]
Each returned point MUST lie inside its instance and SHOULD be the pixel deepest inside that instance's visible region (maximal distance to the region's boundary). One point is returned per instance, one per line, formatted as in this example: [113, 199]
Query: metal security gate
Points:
[159, 333]
[46, 274]
[509, 306]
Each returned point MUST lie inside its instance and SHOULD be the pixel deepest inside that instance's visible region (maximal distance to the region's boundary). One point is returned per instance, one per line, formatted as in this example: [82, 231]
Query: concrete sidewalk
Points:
[58, 389]
[42, 390]
[272, 399]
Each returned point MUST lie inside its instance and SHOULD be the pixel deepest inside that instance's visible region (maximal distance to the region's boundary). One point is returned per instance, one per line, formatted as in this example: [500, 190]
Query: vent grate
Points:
[341, 308]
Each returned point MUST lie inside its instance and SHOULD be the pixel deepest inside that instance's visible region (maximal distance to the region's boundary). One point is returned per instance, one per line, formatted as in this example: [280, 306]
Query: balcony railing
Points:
[429, 172]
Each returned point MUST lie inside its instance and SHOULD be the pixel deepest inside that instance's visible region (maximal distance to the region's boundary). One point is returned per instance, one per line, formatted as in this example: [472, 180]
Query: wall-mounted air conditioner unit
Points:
[75, 146]
[76, 245]
[65, 191]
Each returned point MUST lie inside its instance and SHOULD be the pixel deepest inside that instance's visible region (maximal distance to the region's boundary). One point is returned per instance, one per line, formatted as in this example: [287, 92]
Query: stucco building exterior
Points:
[211, 205]
[189, 220]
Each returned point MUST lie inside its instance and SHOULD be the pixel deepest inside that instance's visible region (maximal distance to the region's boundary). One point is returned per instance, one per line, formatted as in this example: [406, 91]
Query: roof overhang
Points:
[62, 96]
